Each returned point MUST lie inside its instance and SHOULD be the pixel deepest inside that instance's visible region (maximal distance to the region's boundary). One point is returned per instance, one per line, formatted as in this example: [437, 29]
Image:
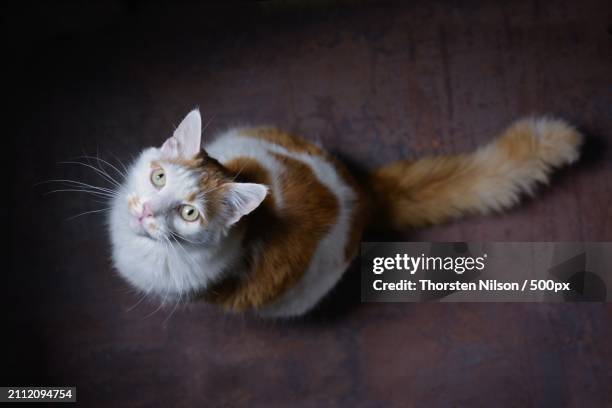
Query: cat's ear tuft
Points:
[187, 138]
[243, 198]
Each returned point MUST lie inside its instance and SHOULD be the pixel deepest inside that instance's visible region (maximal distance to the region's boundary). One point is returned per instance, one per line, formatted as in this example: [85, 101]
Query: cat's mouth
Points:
[144, 229]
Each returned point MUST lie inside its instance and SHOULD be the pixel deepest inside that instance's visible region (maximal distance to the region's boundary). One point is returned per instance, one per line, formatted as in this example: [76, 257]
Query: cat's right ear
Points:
[186, 141]
[243, 198]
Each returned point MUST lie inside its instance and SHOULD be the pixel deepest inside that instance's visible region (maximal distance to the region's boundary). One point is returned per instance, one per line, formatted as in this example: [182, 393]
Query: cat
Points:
[263, 221]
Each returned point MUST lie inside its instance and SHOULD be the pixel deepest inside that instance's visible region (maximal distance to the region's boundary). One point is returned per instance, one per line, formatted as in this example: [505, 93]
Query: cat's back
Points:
[310, 227]
[281, 161]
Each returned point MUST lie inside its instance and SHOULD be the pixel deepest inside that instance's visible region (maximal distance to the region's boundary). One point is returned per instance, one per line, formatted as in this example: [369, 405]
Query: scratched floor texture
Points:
[371, 82]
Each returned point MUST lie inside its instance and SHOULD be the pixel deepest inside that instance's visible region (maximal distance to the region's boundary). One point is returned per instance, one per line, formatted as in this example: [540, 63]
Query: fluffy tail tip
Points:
[558, 142]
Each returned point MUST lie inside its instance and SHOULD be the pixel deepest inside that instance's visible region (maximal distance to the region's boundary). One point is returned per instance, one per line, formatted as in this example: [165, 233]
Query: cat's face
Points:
[167, 198]
[177, 193]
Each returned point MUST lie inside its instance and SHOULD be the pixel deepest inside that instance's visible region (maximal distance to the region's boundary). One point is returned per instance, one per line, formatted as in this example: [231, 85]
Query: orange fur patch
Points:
[296, 144]
[282, 242]
[133, 202]
[290, 142]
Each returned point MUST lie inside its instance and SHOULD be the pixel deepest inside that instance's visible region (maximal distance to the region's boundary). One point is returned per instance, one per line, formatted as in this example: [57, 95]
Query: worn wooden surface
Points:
[372, 83]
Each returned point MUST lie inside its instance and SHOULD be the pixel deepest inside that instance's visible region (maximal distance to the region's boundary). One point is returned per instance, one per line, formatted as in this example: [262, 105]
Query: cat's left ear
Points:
[243, 198]
[187, 138]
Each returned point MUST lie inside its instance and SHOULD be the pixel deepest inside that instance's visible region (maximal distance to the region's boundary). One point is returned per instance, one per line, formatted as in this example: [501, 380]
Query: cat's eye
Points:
[158, 177]
[189, 212]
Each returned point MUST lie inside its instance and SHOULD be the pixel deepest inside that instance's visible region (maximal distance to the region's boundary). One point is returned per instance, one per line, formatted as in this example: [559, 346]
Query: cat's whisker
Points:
[88, 212]
[177, 235]
[142, 297]
[102, 173]
[99, 159]
[158, 308]
[78, 189]
[161, 304]
[208, 123]
[125, 170]
[73, 190]
[88, 163]
[172, 235]
[170, 249]
[174, 308]
[169, 245]
[79, 183]
[189, 258]
[144, 294]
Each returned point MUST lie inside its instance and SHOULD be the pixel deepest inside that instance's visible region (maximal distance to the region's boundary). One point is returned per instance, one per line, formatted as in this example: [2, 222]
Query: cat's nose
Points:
[147, 211]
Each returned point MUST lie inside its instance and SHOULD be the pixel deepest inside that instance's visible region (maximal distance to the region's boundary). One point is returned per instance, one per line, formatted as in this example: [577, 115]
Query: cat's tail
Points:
[493, 178]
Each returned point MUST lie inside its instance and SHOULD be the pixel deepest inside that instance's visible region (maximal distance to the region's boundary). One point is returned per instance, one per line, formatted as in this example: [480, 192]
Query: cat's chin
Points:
[149, 237]
[140, 231]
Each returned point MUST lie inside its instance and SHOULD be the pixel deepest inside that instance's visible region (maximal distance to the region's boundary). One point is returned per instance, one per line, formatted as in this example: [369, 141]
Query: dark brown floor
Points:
[373, 83]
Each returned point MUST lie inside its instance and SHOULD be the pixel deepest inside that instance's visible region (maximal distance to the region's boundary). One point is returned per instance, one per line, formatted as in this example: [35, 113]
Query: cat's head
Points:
[177, 192]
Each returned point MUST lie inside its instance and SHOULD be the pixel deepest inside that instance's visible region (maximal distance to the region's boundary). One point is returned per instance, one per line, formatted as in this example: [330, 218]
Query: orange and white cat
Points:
[264, 221]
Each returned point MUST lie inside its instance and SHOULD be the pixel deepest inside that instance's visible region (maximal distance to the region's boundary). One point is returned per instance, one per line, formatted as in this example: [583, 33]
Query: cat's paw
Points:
[558, 142]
